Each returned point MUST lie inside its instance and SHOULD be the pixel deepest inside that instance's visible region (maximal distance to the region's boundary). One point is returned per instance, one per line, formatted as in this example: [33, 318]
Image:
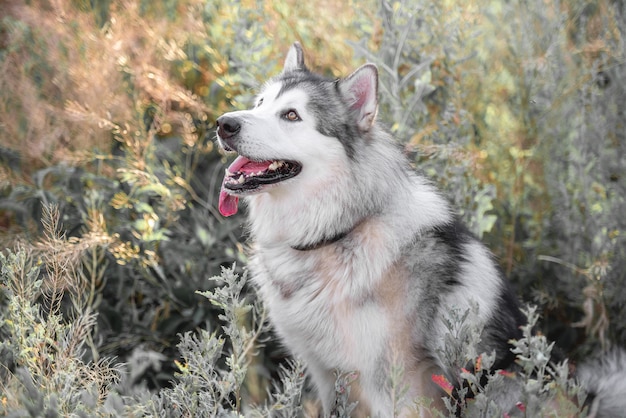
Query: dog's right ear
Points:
[295, 58]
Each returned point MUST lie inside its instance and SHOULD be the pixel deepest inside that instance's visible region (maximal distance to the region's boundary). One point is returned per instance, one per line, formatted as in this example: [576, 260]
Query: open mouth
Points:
[245, 175]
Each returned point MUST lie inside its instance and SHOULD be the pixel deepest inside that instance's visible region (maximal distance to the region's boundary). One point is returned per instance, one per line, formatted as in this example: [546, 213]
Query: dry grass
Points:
[66, 82]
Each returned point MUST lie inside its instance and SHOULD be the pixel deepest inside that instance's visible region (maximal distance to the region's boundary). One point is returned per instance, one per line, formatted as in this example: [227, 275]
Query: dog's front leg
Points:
[324, 382]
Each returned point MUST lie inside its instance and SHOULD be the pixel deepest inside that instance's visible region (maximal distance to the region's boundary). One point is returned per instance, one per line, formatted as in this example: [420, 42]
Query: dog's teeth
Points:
[241, 179]
[276, 165]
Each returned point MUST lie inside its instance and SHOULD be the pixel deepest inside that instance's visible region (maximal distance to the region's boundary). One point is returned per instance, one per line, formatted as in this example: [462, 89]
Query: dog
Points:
[357, 258]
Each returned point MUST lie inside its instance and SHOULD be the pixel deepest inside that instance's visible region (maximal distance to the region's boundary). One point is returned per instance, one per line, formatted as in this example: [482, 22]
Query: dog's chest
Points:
[327, 306]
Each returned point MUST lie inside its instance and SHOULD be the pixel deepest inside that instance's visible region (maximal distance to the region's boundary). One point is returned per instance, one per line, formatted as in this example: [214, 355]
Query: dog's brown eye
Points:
[292, 115]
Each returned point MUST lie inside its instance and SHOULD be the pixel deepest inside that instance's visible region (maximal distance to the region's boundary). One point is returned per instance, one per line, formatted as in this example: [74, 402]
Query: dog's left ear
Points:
[295, 58]
[360, 90]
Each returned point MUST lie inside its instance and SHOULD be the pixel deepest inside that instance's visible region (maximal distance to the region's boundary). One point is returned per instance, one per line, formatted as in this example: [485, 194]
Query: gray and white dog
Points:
[357, 258]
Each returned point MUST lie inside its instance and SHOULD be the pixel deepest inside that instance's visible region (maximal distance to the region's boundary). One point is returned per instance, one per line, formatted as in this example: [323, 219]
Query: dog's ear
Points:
[295, 58]
[360, 90]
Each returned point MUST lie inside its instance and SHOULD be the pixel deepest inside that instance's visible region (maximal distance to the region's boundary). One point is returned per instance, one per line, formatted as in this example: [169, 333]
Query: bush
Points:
[47, 376]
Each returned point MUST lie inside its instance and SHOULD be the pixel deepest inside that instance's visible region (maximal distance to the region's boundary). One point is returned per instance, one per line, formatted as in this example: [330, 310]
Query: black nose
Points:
[227, 127]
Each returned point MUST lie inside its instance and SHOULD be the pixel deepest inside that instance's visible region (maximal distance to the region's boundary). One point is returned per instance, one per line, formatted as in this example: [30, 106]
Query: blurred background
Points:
[109, 170]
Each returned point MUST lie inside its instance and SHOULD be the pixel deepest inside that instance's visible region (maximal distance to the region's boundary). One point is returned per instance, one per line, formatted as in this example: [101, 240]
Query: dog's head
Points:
[302, 125]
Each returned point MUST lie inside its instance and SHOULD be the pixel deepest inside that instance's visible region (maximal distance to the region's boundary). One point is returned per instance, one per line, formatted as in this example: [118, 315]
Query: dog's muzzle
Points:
[228, 128]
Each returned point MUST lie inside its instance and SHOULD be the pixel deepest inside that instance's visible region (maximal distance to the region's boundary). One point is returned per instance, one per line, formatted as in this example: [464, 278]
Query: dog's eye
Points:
[260, 102]
[291, 115]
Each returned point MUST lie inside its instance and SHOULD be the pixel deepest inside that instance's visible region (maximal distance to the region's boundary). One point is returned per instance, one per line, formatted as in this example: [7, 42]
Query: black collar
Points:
[322, 243]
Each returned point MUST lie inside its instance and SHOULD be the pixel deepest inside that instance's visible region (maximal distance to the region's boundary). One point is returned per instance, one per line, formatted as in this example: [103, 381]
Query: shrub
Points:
[45, 341]
[537, 386]
[43, 350]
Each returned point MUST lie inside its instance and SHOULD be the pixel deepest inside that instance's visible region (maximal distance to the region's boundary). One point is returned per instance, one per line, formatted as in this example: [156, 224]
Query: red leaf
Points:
[443, 383]
[506, 373]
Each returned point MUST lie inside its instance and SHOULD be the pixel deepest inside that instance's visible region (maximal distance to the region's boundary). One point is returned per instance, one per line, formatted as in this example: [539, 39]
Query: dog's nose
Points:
[227, 127]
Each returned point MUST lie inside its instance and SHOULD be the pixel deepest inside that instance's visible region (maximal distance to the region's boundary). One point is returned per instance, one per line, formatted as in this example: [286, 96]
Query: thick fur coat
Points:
[357, 258]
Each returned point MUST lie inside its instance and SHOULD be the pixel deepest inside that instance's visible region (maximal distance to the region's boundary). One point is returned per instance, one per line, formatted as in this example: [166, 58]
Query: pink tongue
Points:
[228, 203]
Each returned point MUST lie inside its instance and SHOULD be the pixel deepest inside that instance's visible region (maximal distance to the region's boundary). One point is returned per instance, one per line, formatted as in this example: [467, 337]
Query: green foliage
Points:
[538, 387]
[42, 351]
[210, 380]
[343, 407]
